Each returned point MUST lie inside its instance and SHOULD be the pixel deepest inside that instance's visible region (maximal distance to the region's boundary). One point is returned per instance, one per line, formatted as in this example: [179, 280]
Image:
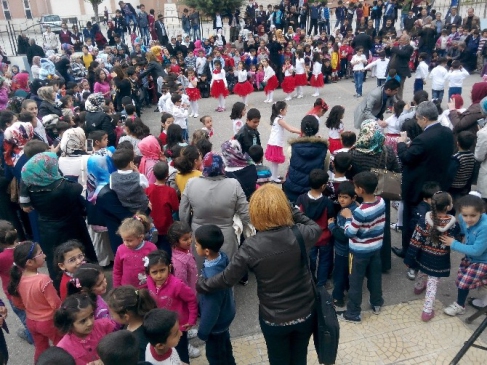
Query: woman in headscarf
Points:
[97, 119]
[151, 152]
[467, 121]
[48, 104]
[20, 84]
[214, 199]
[59, 204]
[239, 166]
[74, 157]
[370, 152]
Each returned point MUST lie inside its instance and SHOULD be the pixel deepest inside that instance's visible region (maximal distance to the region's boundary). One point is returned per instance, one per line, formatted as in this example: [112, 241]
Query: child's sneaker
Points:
[376, 309]
[192, 333]
[411, 274]
[426, 317]
[454, 309]
[419, 287]
[339, 303]
[342, 316]
[193, 352]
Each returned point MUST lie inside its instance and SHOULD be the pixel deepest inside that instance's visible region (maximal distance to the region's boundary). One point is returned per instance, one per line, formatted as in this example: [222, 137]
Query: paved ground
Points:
[435, 348]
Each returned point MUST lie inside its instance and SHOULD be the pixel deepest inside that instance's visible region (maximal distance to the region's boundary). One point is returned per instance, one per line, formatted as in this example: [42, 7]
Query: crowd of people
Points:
[87, 188]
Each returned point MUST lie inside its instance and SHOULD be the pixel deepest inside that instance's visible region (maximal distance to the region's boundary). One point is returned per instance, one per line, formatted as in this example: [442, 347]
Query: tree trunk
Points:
[95, 10]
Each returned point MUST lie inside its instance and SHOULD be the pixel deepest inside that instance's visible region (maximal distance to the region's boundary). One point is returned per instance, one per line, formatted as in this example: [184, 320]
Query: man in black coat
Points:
[364, 41]
[409, 21]
[427, 158]
[161, 30]
[34, 50]
[453, 19]
[400, 60]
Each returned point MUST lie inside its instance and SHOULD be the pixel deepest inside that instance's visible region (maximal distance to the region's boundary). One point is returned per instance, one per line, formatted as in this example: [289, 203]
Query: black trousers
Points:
[219, 349]
[288, 345]
[313, 24]
[182, 348]
[407, 230]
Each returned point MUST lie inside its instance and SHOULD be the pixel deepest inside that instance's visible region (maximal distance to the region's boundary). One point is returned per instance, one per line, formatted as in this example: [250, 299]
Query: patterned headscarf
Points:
[45, 93]
[41, 170]
[150, 149]
[15, 138]
[95, 103]
[233, 156]
[73, 140]
[483, 105]
[98, 176]
[370, 138]
[213, 165]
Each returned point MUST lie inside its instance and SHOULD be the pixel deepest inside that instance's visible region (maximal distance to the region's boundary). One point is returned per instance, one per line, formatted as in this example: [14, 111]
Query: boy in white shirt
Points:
[456, 76]
[180, 114]
[421, 72]
[161, 105]
[380, 65]
[200, 63]
[358, 62]
[438, 77]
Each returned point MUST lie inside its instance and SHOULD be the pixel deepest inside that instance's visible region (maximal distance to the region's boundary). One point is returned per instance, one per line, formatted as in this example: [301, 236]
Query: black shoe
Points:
[339, 303]
[342, 316]
[399, 252]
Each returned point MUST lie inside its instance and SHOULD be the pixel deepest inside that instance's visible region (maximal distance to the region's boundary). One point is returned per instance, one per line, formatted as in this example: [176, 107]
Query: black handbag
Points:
[326, 334]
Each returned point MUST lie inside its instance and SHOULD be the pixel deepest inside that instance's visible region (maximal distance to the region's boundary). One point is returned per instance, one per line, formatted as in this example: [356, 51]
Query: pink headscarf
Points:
[151, 154]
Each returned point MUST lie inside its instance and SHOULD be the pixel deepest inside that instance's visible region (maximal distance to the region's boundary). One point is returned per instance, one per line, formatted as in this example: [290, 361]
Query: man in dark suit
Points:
[364, 41]
[400, 60]
[161, 30]
[409, 21]
[453, 19]
[427, 158]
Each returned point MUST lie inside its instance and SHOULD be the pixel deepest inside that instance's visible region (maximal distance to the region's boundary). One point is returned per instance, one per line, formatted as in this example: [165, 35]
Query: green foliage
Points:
[211, 7]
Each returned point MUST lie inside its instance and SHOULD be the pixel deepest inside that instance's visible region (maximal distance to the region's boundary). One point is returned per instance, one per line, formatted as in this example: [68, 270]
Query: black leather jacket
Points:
[283, 282]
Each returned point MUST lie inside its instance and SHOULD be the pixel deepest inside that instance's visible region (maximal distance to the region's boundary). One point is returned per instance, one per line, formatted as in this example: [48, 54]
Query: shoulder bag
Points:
[389, 185]
[326, 333]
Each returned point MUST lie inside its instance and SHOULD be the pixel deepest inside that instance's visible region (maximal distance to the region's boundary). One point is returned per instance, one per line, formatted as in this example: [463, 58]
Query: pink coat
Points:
[176, 296]
[128, 268]
[185, 267]
[3, 98]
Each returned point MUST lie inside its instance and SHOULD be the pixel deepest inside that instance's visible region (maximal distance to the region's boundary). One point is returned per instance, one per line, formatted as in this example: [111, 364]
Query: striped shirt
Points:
[466, 164]
[365, 229]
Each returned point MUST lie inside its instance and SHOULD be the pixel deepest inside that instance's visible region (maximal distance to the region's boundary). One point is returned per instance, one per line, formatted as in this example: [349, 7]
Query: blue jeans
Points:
[196, 33]
[219, 349]
[340, 277]
[438, 95]
[358, 76]
[377, 23]
[381, 82]
[22, 316]
[320, 269]
[145, 35]
[454, 91]
[134, 20]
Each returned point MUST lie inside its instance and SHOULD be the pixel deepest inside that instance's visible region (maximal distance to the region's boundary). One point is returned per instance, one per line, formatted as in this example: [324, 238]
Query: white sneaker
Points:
[270, 101]
[315, 94]
[454, 309]
[191, 115]
[299, 96]
[411, 274]
[266, 101]
[192, 333]
[193, 352]
[288, 98]
[195, 116]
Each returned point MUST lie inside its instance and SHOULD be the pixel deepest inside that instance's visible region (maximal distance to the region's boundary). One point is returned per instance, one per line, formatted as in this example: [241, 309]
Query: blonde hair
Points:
[138, 225]
[269, 208]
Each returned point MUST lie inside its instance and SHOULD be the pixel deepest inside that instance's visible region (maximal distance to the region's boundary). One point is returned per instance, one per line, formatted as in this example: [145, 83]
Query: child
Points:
[8, 239]
[421, 72]
[171, 293]
[218, 87]
[428, 253]
[166, 120]
[236, 116]
[193, 93]
[288, 85]
[162, 329]
[300, 78]
[218, 308]
[342, 164]
[473, 268]
[348, 139]
[365, 229]
[243, 88]
[128, 306]
[121, 348]
[180, 238]
[35, 292]
[274, 153]
[270, 81]
[334, 123]
[358, 62]
[55, 355]
[346, 198]
[326, 70]
[161, 104]
[69, 256]
[392, 125]
[319, 208]
[164, 202]
[335, 63]
[456, 75]
[259, 76]
[100, 142]
[127, 182]
[81, 331]
[463, 164]
[128, 268]
[204, 86]
[207, 122]
[180, 114]
[248, 135]
[438, 77]
[256, 153]
[380, 66]
[317, 77]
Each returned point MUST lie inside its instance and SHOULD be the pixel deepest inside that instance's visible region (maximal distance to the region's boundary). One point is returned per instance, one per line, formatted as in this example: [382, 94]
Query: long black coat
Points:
[400, 60]
[363, 40]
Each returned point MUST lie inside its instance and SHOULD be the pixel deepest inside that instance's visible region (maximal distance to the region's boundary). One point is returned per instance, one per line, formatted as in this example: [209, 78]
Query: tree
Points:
[94, 4]
[211, 7]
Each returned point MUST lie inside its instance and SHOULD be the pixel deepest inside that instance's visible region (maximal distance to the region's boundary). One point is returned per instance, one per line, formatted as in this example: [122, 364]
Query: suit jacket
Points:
[363, 40]
[457, 20]
[409, 23]
[160, 27]
[400, 60]
[371, 106]
[426, 159]
[475, 17]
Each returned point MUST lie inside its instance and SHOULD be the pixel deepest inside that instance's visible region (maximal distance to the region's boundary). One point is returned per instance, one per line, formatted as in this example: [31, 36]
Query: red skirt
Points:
[272, 85]
[243, 88]
[193, 93]
[317, 82]
[274, 154]
[334, 144]
[300, 79]
[288, 84]
[218, 89]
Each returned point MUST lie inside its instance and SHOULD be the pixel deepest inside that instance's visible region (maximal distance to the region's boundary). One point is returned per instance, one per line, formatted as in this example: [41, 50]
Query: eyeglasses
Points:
[38, 255]
[73, 259]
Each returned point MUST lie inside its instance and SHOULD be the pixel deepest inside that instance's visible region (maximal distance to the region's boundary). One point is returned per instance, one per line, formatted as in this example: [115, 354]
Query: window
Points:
[6, 10]
[28, 13]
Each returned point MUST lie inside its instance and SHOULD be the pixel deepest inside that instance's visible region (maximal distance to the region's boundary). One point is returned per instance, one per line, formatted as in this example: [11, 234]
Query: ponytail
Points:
[24, 251]
[126, 299]
[65, 316]
[84, 279]
[276, 110]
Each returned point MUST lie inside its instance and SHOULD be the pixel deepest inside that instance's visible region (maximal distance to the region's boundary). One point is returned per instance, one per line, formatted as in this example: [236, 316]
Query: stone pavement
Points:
[396, 336]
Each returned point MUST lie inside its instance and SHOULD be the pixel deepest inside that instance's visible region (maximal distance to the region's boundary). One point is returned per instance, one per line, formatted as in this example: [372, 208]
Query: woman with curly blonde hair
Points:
[284, 288]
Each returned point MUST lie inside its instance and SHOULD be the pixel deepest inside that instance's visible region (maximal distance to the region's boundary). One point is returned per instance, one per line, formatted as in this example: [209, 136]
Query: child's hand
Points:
[346, 213]
[331, 220]
[187, 326]
[446, 240]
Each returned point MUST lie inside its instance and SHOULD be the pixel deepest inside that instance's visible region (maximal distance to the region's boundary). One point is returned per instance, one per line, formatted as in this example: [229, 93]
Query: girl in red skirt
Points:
[243, 87]
[274, 153]
[288, 82]
[193, 93]
[335, 124]
[270, 80]
[317, 77]
[218, 86]
[300, 78]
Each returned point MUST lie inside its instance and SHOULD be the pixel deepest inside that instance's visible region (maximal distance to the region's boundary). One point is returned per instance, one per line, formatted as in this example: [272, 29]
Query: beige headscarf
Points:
[73, 140]
[45, 93]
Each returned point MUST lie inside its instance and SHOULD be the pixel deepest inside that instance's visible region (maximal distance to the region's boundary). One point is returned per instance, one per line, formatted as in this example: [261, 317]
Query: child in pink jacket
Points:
[184, 264]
